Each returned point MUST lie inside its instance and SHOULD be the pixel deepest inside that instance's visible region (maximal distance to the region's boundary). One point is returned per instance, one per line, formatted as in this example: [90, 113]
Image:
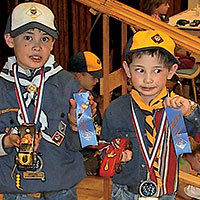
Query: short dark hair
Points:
[149, 5]
[152, 52]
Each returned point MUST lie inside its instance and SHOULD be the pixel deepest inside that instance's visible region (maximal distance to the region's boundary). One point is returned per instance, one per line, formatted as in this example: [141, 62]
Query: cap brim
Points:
[97, 74]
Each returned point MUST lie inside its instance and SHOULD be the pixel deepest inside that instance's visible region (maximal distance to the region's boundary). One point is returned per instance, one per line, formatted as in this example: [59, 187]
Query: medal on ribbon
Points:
[26, 160]
[148, 188]
[84, 119]
[178, 131]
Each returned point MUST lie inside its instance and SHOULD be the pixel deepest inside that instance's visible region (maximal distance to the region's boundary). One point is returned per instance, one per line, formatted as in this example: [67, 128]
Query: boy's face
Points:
[148, 75]
[86, 80]
[32, 48]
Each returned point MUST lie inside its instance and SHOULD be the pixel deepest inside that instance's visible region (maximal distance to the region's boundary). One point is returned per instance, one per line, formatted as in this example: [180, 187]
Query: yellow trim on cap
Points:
[152, 38]
[92, 61]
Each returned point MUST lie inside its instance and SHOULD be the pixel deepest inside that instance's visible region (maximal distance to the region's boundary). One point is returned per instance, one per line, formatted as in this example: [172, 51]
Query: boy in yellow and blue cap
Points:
[150, 170]
[87, 68]
[36, 97]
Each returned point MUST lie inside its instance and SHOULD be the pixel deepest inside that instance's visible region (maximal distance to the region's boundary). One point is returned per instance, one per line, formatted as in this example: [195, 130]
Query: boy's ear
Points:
[78, 75]
[172, 71]
[9, 40]
[127, 69]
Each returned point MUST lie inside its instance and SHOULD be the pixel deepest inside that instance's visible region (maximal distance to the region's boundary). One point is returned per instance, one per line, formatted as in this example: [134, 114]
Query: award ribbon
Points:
[84, 119]
[178, 131]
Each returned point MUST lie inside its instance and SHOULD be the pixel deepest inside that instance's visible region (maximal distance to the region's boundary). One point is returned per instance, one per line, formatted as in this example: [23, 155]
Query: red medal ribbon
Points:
[20, 99]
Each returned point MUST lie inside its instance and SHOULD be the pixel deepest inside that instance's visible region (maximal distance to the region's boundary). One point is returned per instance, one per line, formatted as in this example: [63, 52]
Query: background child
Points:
[190, 163]
[35, 89]
[87, 68]
[149, 63]
[156, 8]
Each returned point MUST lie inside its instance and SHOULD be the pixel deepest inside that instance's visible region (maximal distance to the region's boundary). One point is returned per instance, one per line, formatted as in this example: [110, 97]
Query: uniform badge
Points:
[58, 137]
[157, 38]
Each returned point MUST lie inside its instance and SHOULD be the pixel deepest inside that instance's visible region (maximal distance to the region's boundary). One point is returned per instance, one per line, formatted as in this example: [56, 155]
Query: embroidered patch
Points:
[157, 38]
[58, 138]
[33, 12]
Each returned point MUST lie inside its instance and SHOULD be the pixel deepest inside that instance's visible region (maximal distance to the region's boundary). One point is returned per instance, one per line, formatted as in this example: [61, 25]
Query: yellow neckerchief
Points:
[156, 103]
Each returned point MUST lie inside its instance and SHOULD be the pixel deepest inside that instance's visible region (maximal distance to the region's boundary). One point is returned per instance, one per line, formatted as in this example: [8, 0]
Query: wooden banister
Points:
[139, 19]
[189, 178]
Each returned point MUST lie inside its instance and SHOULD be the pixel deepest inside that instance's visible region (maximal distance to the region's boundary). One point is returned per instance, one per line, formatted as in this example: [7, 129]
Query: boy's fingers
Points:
[126, 156]
[72, 103]
[94, 108]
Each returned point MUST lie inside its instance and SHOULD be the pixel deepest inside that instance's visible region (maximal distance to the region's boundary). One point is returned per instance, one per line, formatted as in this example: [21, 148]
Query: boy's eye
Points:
[157, 70]
[27, 37]
[139, 70]
[45, 39]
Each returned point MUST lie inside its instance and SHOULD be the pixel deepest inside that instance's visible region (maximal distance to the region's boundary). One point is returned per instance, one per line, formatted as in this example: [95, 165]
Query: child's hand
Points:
[178, 102]
[11, 140]
[38, 138]
[126, 155]
[93, 104]
[72, 115]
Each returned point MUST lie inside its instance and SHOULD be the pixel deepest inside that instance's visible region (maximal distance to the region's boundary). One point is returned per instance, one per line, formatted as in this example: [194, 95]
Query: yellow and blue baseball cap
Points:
[151, 39]
[86, 61]
[30, 15]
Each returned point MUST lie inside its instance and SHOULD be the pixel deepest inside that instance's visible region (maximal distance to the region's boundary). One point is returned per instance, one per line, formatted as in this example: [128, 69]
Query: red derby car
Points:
[111, 162]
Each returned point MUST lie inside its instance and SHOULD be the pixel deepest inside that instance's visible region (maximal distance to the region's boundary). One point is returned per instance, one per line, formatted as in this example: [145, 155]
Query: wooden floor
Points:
[93, 188]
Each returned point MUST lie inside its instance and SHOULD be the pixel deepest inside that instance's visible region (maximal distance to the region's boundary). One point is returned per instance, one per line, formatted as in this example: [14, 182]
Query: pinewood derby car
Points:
[111, 162]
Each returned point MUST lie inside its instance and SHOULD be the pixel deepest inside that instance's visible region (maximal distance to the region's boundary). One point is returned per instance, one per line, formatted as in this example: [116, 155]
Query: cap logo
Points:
[33, 12]
[157, 38]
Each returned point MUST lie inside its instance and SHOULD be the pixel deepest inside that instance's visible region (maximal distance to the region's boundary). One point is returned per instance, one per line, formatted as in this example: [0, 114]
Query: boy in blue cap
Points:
[152, 170]
[36, 95]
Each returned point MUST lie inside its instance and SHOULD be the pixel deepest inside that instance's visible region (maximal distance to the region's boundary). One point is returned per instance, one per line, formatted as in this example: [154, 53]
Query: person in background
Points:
[156, 8]
[37, 92]
[87, 68]
[151, 166]
[190, 163]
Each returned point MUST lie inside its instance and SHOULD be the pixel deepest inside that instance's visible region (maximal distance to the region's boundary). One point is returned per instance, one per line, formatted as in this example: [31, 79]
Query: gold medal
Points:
[31, 88]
